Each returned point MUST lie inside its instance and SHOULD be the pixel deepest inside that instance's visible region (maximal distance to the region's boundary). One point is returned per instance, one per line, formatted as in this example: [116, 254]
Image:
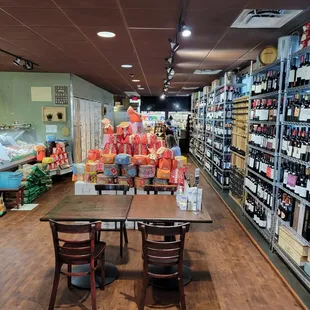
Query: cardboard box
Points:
[298, 259]
[298, 245]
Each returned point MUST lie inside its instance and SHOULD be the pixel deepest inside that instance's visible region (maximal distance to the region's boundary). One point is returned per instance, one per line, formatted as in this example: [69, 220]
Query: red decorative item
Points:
[152, 159]
[125, 149]
[93, 155]
[165, 163]
[132, 139]
[149, 139]
[159, 144]
[139, 160]
[110, 148]
[115, 139]
[177, 176]
[124, 129]
[140, 149]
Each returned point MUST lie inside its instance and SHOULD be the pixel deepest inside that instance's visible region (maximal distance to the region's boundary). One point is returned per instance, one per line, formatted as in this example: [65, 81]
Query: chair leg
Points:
[182, 295]
[121, 240]
[102, 271]
[93, 289]
[143, 292]
[125, 232]
[69, 277]
[54, 289]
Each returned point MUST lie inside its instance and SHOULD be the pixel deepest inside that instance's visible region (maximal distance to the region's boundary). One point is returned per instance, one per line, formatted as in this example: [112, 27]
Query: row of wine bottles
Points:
[300, 71]
[298, 108]
[264, 110]
[296, 142]
[261, 163]
[257, 212]
[265, 83]
[261, 189]
[263, 136]
[296, 178]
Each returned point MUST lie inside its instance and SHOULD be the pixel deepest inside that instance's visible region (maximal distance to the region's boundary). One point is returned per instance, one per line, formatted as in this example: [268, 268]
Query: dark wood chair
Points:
[70, 251]
[163, 253]
[117, 188]
[160, 188]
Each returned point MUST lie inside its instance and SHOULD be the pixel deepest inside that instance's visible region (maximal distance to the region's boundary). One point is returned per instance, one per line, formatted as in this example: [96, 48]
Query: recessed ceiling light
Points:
[126, 66]
[140, 88]
[106, 34]
[136, 81]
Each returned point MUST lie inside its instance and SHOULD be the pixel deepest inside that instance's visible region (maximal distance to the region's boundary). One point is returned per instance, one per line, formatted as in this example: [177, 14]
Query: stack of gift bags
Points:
[134, 159]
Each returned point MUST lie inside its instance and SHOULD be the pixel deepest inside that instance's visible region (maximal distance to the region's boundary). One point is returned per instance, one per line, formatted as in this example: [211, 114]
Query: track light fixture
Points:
[169, 60]
[174, 45]
[162, 96]
[17, 61]
[185, 31]
[28, 65]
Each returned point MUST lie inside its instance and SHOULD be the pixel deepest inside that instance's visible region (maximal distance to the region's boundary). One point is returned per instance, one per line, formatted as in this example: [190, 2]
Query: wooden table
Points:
[163, 208]
[104, 208]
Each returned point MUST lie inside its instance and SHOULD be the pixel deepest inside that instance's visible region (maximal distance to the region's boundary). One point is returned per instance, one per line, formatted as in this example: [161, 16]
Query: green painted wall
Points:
[16, 104]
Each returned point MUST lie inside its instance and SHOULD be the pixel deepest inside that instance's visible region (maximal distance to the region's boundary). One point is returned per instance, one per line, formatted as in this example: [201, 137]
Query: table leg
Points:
[111, 274]
[169, 284]
[22, 196]
[17, 199]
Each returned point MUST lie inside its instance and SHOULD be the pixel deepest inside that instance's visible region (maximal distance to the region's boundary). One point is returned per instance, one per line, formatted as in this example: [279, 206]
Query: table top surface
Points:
[164, 208]
[90, 208]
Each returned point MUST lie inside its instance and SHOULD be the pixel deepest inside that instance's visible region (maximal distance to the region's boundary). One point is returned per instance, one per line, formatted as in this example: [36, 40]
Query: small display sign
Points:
[61, 94]
[197, 174]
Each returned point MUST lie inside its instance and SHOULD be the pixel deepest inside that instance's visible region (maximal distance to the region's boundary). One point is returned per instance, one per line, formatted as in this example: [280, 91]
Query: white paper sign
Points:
[51, 128]
[42, 94]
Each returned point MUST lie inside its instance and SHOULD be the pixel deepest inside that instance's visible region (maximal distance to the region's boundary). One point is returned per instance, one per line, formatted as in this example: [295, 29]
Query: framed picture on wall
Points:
[61, 94]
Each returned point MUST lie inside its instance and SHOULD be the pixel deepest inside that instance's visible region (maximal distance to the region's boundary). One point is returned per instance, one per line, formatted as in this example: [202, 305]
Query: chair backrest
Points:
[163, 253]
[160, 188]
[111, 187]
[72, 251]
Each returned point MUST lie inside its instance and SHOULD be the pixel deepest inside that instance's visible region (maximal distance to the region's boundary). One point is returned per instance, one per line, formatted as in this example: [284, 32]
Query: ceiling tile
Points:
[56, 34]
[88, 4]
[17, 33]
[7, 20]
[80, 50]
[278, 4]
[192, 54]
[155, 18]
[95, 17]
[217, 17]
[39, 17]
[26, 4]
[150, 4]
[226, 54]
[223, 4]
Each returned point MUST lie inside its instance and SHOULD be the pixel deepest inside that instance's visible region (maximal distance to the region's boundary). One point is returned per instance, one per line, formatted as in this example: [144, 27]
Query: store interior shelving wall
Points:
[269, 147]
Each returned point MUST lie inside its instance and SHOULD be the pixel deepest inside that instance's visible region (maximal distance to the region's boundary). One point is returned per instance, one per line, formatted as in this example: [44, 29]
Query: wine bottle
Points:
[292, 75]
[299, 72]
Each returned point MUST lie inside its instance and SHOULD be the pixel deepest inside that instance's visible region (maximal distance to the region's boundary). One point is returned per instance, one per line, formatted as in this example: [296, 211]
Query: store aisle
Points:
[229, 272]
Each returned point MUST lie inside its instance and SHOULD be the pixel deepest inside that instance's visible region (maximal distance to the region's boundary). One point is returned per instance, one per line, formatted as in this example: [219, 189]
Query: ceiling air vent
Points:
[131, 93]
[207, 72]
[259, 18]
[190, 87]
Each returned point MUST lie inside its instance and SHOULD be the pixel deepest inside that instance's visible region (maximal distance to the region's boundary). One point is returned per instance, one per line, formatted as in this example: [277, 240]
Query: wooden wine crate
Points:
[299, 246]
[296, 257]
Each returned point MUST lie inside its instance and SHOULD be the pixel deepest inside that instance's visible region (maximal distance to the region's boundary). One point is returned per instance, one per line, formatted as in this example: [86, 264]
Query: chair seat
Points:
[99, 247]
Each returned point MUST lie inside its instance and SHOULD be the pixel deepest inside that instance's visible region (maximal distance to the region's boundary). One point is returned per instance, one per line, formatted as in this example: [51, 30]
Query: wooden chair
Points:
[160, 188]
[163, 253]
[77, 252]
[121, 188]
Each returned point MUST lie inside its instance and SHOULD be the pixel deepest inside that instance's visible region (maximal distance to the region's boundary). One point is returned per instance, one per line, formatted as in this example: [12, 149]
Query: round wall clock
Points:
[268, 55]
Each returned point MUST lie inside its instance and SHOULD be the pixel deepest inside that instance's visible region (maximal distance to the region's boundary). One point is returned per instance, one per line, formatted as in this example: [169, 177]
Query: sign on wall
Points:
[41, 94]
[61, 94]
